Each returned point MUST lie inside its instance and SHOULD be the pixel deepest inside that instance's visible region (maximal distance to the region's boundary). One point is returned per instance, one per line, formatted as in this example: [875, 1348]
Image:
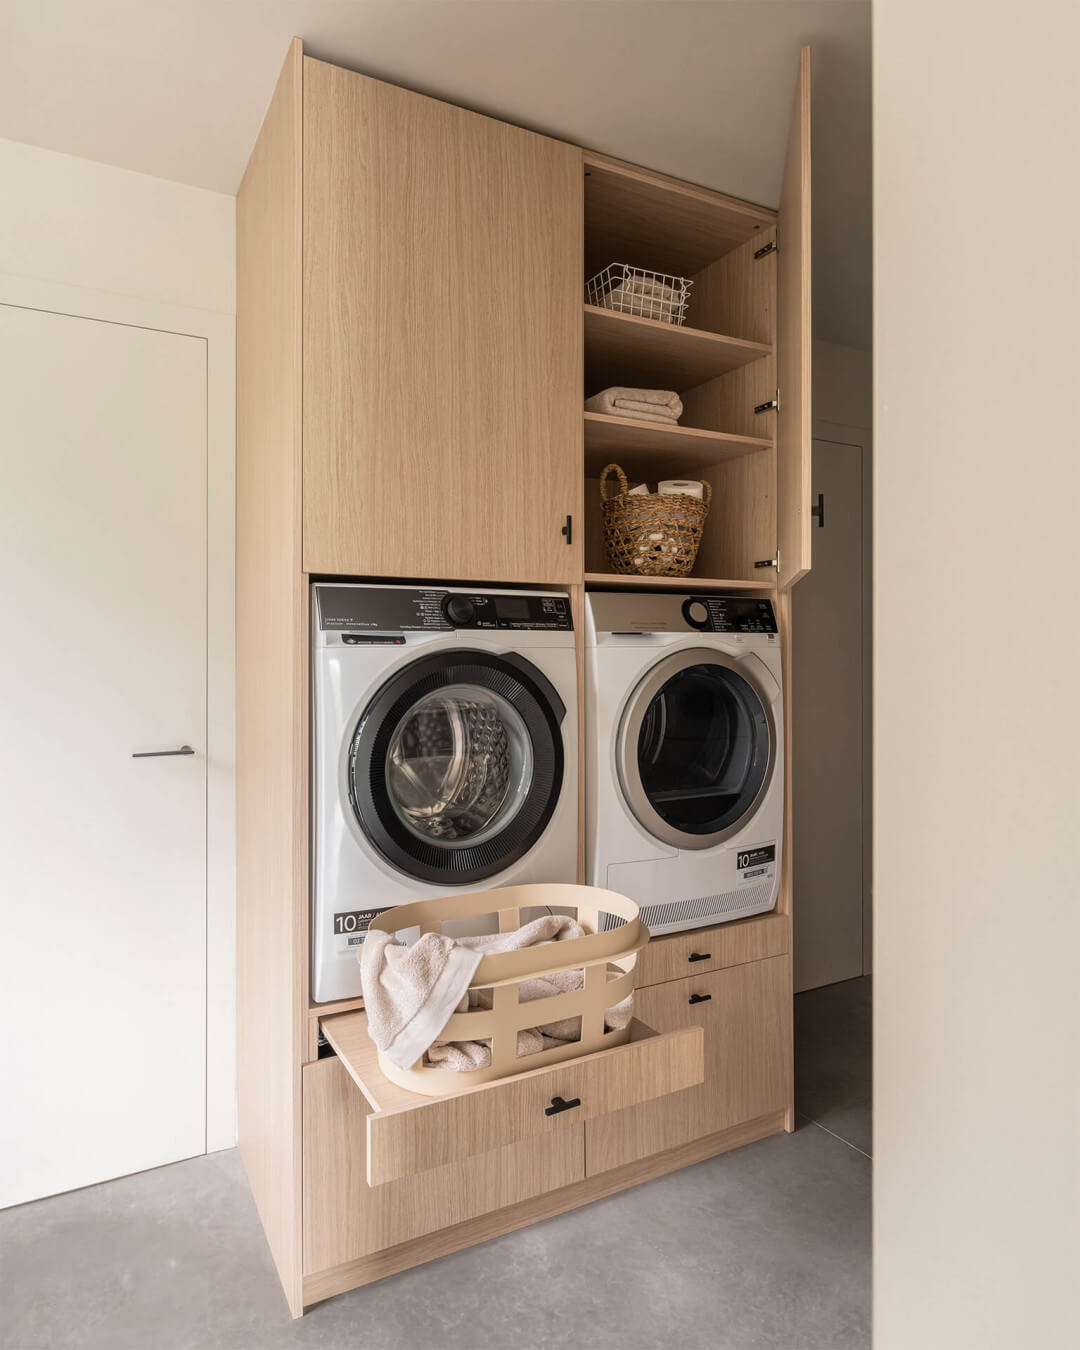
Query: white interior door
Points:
[102, 856]
[827, 725]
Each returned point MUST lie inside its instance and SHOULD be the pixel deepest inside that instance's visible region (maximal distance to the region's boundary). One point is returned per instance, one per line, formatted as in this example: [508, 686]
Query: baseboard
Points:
[325, 1284]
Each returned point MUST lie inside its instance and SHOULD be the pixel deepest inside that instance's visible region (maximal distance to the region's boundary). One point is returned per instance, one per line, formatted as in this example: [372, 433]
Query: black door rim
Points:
[538, 705]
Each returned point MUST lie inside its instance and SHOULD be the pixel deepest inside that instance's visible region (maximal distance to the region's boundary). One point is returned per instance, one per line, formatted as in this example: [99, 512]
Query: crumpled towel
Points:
[465, 1055]
[410, 992]
[648, 405]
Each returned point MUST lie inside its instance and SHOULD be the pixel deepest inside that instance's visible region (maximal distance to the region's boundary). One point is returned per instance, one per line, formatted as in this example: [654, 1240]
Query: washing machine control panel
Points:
[381, 610]
[729, 614]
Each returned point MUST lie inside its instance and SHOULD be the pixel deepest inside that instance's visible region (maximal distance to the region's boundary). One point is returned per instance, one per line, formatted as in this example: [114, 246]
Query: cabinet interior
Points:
[721, 361]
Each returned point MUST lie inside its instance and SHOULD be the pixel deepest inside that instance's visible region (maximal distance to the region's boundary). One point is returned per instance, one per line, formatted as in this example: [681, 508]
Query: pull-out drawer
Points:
[705, 949]
[745, 1013]
[407, 1133]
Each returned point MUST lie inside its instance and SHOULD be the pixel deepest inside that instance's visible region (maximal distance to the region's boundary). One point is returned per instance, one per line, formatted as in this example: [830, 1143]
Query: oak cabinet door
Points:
[793, 343]
[442, 339]
[746, 1014]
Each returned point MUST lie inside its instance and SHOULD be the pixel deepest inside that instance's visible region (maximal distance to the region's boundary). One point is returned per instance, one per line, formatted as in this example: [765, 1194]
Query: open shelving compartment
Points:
[721, 361]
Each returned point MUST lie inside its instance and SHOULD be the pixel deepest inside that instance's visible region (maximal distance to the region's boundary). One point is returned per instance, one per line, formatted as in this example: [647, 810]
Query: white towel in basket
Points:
[411, 992]
[650, 405]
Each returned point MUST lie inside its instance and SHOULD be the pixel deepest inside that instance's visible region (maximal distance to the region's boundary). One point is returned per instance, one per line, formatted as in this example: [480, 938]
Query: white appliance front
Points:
[444, 753]
[684, 764]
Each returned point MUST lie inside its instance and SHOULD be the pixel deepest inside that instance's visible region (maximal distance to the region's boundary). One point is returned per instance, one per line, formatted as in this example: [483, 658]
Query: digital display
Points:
[513, 606]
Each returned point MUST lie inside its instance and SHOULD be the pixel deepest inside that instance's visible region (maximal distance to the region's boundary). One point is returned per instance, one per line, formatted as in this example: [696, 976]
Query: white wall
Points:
[86, 238]
[977, 428]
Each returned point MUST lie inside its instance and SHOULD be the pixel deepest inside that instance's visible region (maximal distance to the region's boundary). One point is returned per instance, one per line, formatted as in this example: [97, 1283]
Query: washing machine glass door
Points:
[456, 764]
[695, 748]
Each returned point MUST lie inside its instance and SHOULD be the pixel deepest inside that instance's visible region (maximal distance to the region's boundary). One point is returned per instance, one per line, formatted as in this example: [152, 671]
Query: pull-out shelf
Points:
[407, 1133]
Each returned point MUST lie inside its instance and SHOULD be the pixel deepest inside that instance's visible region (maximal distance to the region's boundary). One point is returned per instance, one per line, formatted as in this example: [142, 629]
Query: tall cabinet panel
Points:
[794, 337]
[442, 339]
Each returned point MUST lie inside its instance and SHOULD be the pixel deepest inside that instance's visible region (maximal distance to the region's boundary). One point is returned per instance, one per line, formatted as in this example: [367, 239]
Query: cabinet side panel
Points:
[442, 339]
[271, 712]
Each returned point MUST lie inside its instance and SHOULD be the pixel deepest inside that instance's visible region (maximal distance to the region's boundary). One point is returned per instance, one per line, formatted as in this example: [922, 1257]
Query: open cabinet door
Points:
[793, 429]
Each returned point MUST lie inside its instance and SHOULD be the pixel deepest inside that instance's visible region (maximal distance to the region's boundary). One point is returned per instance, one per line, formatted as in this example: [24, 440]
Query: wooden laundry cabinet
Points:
[413, 354]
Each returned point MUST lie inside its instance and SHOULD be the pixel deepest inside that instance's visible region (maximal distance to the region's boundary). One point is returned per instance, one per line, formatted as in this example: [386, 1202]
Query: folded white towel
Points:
[650, 405]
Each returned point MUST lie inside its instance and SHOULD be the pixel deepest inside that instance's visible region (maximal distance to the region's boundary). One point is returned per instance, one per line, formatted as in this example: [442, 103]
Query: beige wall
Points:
[977, 697]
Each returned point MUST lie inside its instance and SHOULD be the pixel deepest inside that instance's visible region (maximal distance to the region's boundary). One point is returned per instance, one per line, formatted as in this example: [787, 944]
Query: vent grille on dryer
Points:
[701, 907]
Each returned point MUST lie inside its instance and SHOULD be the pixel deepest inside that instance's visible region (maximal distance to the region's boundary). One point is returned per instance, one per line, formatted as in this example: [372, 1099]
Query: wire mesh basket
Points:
[633, 290]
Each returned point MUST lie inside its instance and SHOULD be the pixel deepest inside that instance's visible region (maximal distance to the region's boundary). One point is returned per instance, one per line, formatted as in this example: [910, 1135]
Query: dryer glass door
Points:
[456, 764]
[695, 748]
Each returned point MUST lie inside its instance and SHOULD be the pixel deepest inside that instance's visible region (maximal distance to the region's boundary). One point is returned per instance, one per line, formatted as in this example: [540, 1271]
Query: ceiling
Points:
[697, 88]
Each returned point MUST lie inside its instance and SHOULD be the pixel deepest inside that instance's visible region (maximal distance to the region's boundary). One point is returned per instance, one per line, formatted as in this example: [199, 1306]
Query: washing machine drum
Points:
[455, 766]
[695, 748]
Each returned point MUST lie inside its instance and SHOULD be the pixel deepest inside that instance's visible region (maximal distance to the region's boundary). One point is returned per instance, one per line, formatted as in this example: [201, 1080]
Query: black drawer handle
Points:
[557, 1105]
[700, 956]
[700, 998]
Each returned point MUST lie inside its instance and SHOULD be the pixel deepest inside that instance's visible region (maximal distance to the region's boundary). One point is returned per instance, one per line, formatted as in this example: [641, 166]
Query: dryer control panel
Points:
[412, 609]
[729, 614]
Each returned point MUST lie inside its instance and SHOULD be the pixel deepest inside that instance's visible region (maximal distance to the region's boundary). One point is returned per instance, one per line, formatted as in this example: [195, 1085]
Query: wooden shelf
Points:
[618, 580]
[647, 219]
[650, 448]
[626, 349]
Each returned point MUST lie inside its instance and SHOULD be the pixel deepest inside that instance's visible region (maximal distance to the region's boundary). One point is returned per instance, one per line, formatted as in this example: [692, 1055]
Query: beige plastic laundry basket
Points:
[606, 955]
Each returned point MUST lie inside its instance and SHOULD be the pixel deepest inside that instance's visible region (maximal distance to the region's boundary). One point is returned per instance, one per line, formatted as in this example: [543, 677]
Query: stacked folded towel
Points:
[649, 405]
[644, 296]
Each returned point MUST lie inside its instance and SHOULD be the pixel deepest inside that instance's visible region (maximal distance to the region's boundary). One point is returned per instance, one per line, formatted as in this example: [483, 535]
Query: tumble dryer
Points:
[444, 753]
[685, 747]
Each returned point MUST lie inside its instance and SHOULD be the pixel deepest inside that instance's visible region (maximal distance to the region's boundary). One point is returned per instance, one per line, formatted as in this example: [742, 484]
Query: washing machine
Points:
[444, 753]
[684, 765]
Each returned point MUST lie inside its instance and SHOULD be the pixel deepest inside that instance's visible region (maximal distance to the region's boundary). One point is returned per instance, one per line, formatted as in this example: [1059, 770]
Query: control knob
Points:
[460, 610]
[696, 613]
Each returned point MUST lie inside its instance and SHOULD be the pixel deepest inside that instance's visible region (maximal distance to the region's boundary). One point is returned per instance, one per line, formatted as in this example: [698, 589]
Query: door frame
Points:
[841, 433]
[218, 331]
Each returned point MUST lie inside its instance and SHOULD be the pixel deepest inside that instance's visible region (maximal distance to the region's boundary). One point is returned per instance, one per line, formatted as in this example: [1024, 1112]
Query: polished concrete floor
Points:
[765, 1247]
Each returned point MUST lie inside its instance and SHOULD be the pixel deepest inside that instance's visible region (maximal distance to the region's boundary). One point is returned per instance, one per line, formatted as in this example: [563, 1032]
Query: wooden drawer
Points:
[707, 949]
[407, 1133]
[345, 1218]
[745, 1015]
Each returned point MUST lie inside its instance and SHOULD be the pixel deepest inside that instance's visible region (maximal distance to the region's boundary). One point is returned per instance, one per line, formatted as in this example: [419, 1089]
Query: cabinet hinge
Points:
[770, 562]
[765, 250]
[772, 403]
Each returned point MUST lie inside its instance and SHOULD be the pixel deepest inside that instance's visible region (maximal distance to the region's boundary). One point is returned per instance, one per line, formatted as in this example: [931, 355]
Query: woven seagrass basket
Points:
[606, 955]
[651, 534]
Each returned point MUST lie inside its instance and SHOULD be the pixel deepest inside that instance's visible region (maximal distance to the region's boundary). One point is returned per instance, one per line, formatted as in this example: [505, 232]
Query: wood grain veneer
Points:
[345, 1218]
[442, 338]
[407, 1134]
[728, 944]
[746, 1020]
[794, 342]
[327, 1283]
[271, 678]
[626, 349]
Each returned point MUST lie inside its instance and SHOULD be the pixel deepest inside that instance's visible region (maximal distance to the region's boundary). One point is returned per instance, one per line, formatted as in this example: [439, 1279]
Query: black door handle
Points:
[568, 529]
[700, 956]
[160, 754]
[818, 512]
[700, 998]
[557, 1105]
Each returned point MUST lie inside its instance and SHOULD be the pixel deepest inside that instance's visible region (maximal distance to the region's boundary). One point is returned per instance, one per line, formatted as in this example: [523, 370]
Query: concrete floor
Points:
[765, 1247]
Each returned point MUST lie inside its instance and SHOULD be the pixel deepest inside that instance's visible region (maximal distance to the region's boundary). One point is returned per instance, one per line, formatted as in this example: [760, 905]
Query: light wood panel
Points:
[729, 944]
[271, 678]
[647, 219]
[737, 293]
[794, 342]
[442, 339]
[623, 349]
[746, 1020]
[785, 898]
[405, 1137]
[351, 1275]
[345, 1218]
[652, 449]
[611, 581]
